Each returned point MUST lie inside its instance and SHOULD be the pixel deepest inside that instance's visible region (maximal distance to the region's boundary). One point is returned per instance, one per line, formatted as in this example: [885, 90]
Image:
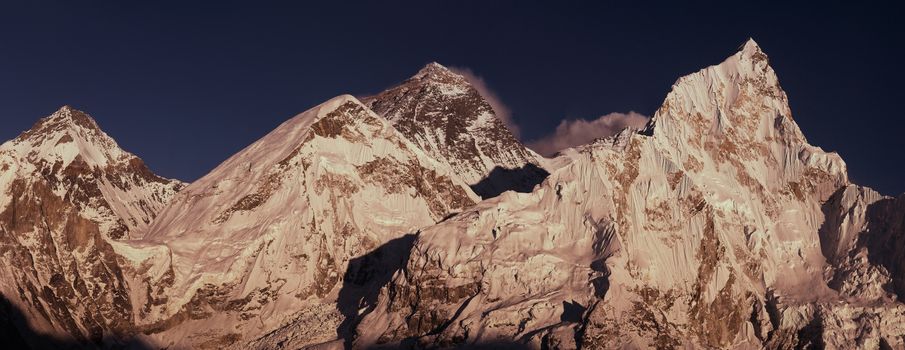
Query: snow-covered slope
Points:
[67, 193]
[699, 231]
[264, 240]
[442, 113]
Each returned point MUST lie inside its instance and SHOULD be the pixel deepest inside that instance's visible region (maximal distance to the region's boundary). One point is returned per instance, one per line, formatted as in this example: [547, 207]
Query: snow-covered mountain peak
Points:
[448, 118]
[86, 166]
[437, 73]
[68, 197]
[323, 109]
[67, 115]
[305, 119]
[337, 117]
[64, 120]
[66, 135]
[750, 47]
[737, 105]
[433, 68]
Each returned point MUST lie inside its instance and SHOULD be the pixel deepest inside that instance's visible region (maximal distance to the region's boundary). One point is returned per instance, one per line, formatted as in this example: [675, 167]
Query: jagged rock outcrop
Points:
[700, 230]
[262, 243]
[442, 113]
[68, 194]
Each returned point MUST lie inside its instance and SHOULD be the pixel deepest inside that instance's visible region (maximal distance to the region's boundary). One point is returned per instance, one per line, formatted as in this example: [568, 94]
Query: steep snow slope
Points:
[442, 113]
[263, 241]
[67, 192]
[701, 230]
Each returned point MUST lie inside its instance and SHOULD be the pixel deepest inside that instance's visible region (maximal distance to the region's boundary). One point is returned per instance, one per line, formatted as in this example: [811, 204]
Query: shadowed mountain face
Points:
[14, 327]
[500, 180]
[442, 113]
[363, 279]
[862, 238]
[17, 333]
[718, 226]
[885, 241]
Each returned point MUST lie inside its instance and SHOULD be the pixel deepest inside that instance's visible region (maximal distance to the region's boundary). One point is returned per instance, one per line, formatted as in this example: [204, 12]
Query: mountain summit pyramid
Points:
[68, 195]
[441, 112]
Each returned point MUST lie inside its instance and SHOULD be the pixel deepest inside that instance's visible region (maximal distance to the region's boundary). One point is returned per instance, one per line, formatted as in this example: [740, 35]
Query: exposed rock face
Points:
[700, 231]
[439, 111]
[262, 243]
[67, 194]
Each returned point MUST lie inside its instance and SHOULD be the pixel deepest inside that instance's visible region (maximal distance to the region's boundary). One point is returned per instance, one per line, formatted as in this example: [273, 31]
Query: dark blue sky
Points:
[186, 86]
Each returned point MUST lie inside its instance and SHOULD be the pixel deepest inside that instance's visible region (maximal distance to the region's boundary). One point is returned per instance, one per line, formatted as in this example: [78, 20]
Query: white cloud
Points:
[571, 133]
[502, 111]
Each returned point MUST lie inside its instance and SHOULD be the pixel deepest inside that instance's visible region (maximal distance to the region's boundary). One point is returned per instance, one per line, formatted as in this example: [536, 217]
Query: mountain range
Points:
[415, 219]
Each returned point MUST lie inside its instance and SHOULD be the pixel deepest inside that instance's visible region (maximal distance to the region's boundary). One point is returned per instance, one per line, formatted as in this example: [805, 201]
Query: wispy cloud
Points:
[571, 133]
[502, 111]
